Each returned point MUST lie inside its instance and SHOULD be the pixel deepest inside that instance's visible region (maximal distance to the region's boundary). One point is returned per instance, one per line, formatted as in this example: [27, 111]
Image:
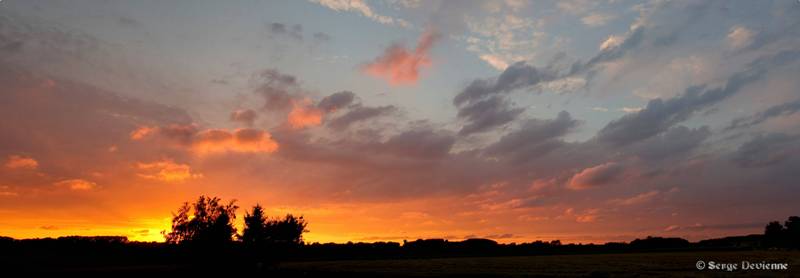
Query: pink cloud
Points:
[595, 176]
[304, 114]
[401, 66]
[638, 199]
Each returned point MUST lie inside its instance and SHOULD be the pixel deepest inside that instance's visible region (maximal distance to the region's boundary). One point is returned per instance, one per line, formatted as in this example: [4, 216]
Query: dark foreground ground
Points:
[680, 264]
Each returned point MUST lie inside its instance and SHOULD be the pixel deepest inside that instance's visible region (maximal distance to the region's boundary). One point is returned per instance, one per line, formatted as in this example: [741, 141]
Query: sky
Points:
[584, 121]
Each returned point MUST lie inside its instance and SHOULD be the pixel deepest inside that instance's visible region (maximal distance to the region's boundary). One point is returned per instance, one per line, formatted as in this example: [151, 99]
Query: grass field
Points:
[596, 265]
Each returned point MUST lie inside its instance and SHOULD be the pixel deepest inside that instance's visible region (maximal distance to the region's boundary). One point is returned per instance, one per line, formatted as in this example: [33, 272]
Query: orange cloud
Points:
[142, 132]
[6, 192]
[21, 162]
[77, 184]
[400, 66]
[167, 170]
[303, 114]
[243, 140]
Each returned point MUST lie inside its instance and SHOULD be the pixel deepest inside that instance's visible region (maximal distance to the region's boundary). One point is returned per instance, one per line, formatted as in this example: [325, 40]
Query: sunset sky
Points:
[585, 121]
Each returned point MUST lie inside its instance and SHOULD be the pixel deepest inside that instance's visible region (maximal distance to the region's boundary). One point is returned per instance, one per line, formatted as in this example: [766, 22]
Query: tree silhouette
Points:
[260, 230]
[773, 234]
[792, 232]
[287, 230]
[210, 223]
[255, 230]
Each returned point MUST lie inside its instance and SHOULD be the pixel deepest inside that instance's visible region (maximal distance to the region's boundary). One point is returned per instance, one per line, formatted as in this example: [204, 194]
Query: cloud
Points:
[494, 61]
[294, 32]
[362, 8]
[638, 199]
[167, 170]
[499, 236]
[282, 93]
[766, 150]
[631, 109]
[358, 114]
[5, 192]
[611, 42]
[244, 116]
[612, 49]
[304, 114]
[599, 175]
[597, 19]
[702, 227]
[481, 105]
[587, 216]
[243, 140]
[18, 162]
[278, 89]
[534, 139]
[336, 101]
[780, 110]
[400, 66]
[420, 143]
[517, 76]
[659, 114]
[212, 141]
[77, 184]
[740, 37]
[673, 142]
[484, 115]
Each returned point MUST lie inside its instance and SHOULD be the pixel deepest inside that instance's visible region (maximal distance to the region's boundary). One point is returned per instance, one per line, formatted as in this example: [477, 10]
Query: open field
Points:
[596, 265]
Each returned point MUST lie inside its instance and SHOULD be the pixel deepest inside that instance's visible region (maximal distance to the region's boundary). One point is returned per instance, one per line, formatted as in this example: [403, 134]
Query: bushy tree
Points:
[260, 230]
[287, 230]
[255, 222]
[205, 222]
[792, 226]
[774, 234]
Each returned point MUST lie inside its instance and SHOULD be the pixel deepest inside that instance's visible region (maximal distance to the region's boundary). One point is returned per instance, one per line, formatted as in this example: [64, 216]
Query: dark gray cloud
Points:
[599, 175]
[766, 150]
[517, 76]
[336, 101]
[779, 110]
[535, 138]
[294, 31]
[278, 89]
[360, 113]
[659, 115]
[484, 115]
[420, 143]
[675, 141]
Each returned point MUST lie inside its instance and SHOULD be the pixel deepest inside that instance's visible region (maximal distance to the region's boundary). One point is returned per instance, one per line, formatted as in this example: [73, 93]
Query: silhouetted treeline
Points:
[203, 238]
